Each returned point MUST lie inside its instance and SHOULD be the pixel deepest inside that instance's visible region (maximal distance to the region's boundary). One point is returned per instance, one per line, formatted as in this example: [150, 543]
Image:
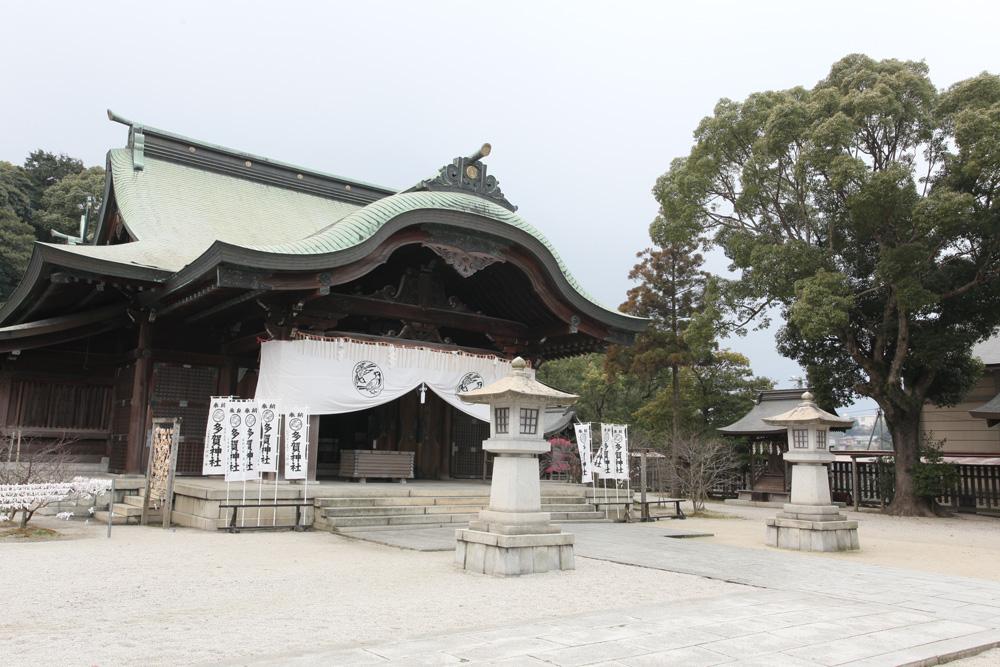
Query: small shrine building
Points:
[210, 271]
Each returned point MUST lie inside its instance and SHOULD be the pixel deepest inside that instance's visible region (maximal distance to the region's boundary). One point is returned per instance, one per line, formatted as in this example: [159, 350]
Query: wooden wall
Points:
[961, 432]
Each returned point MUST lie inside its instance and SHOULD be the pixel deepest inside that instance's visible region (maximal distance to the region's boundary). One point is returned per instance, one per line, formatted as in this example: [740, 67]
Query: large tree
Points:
[64, 201]
[865, 207]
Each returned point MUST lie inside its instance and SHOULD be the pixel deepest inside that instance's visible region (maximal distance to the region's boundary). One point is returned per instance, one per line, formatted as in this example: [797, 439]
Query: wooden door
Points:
[467, 435]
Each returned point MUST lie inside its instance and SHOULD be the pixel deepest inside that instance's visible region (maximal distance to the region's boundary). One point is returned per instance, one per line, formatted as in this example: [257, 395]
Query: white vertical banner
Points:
[583, 438]
[602, 461]
[267, 449]
[619, 451]
[213, 460]
[296, 443]
[235, 440]
[251, 439]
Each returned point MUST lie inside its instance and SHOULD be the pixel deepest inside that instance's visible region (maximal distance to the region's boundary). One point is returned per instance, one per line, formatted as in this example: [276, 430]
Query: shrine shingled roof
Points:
[180, 199]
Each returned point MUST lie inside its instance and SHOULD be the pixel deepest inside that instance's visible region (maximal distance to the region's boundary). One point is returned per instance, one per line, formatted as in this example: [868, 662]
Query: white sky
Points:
[585, 103]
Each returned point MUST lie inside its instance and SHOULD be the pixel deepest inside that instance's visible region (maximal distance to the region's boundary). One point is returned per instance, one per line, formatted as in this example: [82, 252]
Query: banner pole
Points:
[260, 490]
[628, 468]
[277, 467]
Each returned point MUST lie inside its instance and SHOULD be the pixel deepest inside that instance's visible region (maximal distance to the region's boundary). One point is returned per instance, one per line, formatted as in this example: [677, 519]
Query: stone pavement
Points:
[797, 610]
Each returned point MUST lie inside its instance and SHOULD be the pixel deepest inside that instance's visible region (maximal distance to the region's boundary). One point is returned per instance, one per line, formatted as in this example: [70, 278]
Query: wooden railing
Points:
[978, 485]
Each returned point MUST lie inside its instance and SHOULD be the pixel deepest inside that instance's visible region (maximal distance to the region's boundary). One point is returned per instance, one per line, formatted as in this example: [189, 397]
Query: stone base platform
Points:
[812, 528]
[513, 555]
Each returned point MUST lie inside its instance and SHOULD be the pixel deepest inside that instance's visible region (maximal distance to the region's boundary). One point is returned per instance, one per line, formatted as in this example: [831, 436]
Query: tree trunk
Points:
[675, 428]
[905, 430]
[23, 523]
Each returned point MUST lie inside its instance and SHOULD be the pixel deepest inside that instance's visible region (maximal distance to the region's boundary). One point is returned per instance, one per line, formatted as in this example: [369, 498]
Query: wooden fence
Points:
[978, 485]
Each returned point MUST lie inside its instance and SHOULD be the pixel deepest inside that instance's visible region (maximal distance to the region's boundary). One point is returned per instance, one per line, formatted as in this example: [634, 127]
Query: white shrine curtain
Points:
[337, 375]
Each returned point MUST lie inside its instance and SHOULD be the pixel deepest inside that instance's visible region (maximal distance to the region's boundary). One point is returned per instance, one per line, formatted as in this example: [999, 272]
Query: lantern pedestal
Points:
[513, 536]
[811, 522]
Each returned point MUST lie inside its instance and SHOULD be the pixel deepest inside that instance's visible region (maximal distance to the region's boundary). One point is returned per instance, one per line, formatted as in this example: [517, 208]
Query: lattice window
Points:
[502, 418]
[800, 438]
[529, 420]
[820, 439]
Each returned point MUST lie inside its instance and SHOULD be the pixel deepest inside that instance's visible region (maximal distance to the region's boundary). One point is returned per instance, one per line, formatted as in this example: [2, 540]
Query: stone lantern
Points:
[513, 535]
[810, 522]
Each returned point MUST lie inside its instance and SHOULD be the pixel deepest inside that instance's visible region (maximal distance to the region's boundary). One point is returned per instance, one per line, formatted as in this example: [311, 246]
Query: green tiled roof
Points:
[176, 212]
[360, 225]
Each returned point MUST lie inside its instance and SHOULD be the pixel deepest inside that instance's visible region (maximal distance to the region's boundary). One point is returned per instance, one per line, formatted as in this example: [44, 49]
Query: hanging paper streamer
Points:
[296, 443]
[619, 451]
[213, 460]
[583, 446]
[267, 459]
[234, 440]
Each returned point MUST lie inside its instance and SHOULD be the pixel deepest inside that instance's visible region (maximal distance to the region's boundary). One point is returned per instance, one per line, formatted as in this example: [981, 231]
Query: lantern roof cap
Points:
[520, 382]
[807, 412]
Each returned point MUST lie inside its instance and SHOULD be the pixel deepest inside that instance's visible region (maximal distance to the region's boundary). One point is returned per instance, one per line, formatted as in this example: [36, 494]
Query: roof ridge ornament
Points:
[467, 174]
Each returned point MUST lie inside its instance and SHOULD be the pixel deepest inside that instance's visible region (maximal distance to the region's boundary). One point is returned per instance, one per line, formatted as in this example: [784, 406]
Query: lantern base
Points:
[812, 528]
[513, 555]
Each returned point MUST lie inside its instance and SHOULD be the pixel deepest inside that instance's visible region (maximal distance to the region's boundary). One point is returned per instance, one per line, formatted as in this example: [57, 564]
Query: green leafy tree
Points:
[45, 169]
[62, 203]
[16, 242]
[16, 236]
[865, 207]
[712, 395]
[15, 190]
[604, 397]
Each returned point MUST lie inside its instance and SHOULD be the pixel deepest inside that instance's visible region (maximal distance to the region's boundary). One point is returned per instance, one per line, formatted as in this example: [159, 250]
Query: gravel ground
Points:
[154, 596]
[965, 544]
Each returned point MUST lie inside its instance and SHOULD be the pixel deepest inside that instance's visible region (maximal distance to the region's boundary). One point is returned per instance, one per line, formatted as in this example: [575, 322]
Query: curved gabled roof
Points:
[190, 206]
[360, 225]
[176, 212]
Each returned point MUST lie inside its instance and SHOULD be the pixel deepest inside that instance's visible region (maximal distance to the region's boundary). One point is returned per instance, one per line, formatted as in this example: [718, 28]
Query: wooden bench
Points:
[676, 502]
[361, 464]
[624, 504]
[297, 526]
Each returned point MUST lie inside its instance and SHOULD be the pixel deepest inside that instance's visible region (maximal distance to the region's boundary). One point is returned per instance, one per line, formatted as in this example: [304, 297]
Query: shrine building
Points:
[212, 272]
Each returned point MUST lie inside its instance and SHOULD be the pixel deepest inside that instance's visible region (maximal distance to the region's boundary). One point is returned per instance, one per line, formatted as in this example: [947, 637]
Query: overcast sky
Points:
[585, 103]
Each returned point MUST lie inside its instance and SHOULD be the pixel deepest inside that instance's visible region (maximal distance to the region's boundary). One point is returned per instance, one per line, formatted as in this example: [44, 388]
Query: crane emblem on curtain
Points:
[470, 381]
[368, 378]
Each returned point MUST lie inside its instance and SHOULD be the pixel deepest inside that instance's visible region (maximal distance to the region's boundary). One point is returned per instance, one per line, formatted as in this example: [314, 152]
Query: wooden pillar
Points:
[227, 378]
[855, 486]
[141, 372]
[447, 440]
[313, 448]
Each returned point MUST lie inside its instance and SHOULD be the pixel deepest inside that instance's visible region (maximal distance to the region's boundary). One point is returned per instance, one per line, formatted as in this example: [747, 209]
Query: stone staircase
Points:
[128, 511]
[353, 514]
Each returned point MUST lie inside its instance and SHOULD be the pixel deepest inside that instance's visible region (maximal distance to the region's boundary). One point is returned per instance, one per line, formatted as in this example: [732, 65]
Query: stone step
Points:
[134, 501]
[399, 520]
[402, 501]
[121, 509]
[438, 509]
[398, 501]
[347, 530]
[101, 517]
[578, 516]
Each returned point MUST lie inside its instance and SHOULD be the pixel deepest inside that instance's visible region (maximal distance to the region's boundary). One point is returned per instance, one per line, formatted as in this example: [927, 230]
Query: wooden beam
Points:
[60, 323]
[224, 306]
[439, 317]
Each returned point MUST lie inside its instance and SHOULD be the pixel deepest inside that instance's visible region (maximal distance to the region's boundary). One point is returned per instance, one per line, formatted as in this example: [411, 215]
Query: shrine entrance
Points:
[445, 442]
